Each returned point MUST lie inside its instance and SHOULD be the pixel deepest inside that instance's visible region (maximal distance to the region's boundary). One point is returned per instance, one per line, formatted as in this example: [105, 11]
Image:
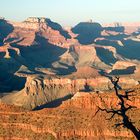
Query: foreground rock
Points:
[74, 119]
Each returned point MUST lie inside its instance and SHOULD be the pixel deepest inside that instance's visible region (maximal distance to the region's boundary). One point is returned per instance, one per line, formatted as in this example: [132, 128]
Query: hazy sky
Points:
[70, 12]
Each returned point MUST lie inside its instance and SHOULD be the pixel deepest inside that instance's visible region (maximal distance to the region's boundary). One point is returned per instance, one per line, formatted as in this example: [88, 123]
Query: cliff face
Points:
[48, 29]
[31, 23]
[44, 45]
[5, 29]
[38, 91]
[104, 130]
[74, 119]
[102, 99]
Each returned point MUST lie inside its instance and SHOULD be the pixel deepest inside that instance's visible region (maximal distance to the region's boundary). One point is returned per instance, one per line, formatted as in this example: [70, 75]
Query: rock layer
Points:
[39, 91]
[74, 119]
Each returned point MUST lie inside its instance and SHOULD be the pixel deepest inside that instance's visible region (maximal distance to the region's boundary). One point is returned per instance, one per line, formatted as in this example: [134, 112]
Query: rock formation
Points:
[74, 119]
[61, 74]
[40, 91]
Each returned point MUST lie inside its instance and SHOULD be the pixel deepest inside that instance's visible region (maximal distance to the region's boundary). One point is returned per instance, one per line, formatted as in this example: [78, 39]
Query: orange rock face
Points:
[26, 32]
[74, 119]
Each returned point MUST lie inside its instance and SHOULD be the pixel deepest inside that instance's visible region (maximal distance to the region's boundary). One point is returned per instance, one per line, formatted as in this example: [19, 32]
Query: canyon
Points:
[52, 78]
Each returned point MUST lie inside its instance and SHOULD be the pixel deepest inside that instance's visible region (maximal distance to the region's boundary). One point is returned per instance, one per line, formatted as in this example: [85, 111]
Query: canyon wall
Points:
[38, 91]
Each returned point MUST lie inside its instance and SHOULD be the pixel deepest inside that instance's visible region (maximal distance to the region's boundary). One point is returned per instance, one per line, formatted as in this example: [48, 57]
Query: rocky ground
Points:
[76, 118]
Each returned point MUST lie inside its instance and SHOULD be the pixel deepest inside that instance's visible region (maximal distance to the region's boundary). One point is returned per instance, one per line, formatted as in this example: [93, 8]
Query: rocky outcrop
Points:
[33, 23]
[124, 68]
[87, 32]
[76, 118]
[6, 49]
[39, 91]
[35, 19]
[93, 99]
[24, 32]
[123, 65]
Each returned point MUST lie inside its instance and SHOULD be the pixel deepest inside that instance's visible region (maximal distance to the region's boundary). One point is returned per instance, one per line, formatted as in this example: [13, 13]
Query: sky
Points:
[71, 12]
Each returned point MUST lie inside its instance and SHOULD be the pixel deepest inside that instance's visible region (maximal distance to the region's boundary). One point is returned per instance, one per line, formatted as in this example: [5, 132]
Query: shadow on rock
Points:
[5, 29]
[58, 27]
[54, 103]
[87, 32]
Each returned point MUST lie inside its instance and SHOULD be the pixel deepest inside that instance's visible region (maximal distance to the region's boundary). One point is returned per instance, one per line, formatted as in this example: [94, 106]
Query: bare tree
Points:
[124, 107]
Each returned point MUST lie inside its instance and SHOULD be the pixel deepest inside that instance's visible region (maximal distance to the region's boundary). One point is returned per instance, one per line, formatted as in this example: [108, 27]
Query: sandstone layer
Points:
[73, 119]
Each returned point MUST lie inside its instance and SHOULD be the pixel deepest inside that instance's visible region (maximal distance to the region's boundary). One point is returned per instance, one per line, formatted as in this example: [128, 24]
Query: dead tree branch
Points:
[126, 122]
